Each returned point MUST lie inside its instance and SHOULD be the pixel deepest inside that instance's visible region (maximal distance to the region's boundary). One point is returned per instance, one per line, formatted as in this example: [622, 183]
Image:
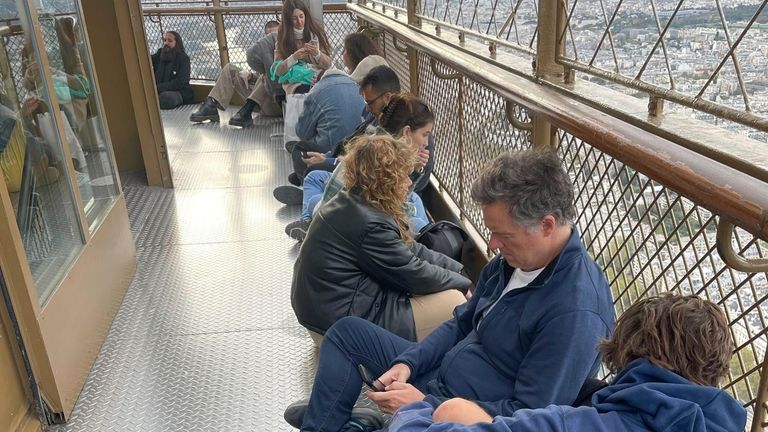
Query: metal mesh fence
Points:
[199, 35]
[471, 128]
[651, 240]
[242, 30]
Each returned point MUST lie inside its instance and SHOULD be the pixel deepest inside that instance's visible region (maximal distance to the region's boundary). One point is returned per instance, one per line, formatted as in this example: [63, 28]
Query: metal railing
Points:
[216, 35]
[707, 63]
[656, 215]
[646, 213]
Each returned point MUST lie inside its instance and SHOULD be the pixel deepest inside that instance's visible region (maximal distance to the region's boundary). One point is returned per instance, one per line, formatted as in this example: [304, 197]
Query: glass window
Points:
[32, 159]
[72, 73]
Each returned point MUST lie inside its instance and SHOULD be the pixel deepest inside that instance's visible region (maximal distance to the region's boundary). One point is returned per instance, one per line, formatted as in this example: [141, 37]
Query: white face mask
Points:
[298, 33]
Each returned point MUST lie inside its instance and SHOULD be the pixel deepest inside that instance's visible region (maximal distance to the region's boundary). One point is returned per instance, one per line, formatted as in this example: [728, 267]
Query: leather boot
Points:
[243, 117]
[207, 111]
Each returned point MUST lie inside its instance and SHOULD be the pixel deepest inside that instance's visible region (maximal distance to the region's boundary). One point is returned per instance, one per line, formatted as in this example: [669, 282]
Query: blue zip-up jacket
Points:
[643, 397]
[536, 347]
[331, 111]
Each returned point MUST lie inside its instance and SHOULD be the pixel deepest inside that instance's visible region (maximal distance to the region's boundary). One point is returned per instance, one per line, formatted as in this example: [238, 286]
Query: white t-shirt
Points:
[519, 279]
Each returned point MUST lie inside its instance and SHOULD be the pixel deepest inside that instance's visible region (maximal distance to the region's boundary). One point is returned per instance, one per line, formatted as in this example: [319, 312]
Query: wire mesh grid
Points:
[198, 33]
[650, 240]
[14, 47]
[513, 21]
[714, 51]
[397, 59]
[242, 30]
[337, 26]
[471, 128]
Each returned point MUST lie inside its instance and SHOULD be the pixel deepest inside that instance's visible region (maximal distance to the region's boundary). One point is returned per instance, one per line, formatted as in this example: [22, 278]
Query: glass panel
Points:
[32, 158]
[68, 56]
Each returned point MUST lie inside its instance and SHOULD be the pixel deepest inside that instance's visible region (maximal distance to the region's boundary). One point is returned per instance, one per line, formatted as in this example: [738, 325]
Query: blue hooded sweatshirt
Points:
[534, 348]
[643, 397]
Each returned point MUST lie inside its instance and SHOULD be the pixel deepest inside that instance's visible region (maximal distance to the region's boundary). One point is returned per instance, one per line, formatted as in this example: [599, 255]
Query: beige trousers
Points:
[429, 311]
[229, 81]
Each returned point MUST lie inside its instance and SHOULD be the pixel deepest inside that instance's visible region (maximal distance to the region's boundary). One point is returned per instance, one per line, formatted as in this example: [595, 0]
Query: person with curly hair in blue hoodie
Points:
[668, 352]
[527, 337]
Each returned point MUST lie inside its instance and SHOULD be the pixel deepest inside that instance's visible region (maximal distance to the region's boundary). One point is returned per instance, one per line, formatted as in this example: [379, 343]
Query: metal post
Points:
[551, 22]
[221, 36]
[316, 10]
[413, 8]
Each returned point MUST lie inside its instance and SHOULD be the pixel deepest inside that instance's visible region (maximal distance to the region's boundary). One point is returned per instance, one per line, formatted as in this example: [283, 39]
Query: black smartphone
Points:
[304, 154]
[368, 380]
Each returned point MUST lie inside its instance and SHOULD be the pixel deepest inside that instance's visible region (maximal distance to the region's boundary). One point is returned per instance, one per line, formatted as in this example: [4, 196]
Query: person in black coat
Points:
[358, 258]
[172, 69]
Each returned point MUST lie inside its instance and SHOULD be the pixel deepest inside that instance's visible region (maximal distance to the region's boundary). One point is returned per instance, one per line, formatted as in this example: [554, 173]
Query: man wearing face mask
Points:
[172, 69]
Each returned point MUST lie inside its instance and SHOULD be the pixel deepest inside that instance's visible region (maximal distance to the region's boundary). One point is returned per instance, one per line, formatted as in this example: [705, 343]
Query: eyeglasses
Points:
[372, 101]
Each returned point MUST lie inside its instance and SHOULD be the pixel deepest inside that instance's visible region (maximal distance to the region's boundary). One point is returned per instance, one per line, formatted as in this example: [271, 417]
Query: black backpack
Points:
[445, 237]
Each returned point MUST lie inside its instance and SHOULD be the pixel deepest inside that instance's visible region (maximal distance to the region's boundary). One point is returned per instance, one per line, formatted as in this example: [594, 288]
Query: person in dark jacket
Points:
[359, 258]
[668, 354]
[527, 337]
[172, 69]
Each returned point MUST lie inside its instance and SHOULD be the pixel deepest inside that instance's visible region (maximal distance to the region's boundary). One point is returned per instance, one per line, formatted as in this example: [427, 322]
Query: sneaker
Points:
[208, 111]
[361, 419]
[289, 195]
[297, 230]
[294, 179]
[294, 414]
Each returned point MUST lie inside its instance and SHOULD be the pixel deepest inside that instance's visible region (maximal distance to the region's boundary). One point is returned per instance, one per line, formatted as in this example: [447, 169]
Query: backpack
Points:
[445, 237]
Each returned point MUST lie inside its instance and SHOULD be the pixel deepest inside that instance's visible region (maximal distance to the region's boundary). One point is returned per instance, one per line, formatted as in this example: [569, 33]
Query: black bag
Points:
[445, 237]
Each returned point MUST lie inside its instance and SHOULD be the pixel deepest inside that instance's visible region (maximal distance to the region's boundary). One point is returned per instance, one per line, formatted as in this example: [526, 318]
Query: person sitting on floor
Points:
[331, 112]
[302, 49]
[254, 87]
[527, 337]
[406, 117]
[373, 90]
[359, 258]
[172, 69]
[360, 55]
[668, 353]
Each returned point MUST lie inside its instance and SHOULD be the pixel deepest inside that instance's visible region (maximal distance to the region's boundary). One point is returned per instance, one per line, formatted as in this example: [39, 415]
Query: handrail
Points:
[208, 10]
[726, 191]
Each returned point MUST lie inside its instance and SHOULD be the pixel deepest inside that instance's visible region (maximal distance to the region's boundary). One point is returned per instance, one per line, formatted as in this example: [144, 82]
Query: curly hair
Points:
[684, 334]
[377, 166]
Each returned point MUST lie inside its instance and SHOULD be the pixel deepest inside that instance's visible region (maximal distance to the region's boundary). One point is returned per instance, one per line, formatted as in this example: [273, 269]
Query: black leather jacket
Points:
[354, 263]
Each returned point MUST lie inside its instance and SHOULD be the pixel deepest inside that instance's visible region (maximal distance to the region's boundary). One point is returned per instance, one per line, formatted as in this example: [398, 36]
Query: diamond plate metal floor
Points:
[205, 339]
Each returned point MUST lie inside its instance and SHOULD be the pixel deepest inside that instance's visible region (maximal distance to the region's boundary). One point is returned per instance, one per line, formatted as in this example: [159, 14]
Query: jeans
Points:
[314, 185]
[349, 342]
[419, 217]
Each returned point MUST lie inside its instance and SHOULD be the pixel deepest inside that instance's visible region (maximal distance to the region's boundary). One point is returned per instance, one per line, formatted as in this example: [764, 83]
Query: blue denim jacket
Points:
[331, 111]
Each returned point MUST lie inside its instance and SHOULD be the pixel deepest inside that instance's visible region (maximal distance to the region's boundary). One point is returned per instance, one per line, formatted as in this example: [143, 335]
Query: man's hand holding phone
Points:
[390, 391]
[312, 158]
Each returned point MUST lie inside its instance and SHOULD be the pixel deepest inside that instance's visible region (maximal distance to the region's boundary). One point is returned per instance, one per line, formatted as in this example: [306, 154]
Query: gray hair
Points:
[532, 184]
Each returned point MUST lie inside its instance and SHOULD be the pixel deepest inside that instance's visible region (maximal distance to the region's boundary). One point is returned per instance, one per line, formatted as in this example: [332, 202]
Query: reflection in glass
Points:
[32, 161]
[75, 91]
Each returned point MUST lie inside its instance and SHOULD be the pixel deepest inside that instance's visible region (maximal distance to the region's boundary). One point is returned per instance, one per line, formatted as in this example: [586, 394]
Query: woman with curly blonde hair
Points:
[358, 258]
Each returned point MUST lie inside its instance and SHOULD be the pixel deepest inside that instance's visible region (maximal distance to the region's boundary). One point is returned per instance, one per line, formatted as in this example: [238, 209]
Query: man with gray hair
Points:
[526, 339]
